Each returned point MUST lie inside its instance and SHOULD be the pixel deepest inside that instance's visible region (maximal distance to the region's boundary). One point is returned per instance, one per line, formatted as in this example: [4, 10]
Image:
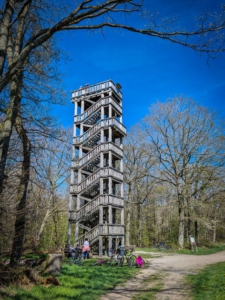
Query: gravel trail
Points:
[173, 268]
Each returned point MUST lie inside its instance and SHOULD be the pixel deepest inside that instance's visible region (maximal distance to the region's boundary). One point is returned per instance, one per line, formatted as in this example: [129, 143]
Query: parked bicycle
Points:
[80, 259]
[130, 258]
[76, 257]
[117, 258]
[100, 262]
[162, 246]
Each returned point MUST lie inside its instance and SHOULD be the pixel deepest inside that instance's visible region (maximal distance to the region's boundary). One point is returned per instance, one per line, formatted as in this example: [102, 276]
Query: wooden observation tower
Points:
[96, 192]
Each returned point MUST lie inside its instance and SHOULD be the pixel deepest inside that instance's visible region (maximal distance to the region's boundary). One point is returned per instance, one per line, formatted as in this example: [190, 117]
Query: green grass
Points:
[146, 249]
[151, 249]
[146, 255]
[152, 285]
[83, 283]
[30, 256]
[201, 250]
[209, 283]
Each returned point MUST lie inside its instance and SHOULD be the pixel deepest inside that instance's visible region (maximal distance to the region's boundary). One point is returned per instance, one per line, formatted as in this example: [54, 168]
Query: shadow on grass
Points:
[83, 283]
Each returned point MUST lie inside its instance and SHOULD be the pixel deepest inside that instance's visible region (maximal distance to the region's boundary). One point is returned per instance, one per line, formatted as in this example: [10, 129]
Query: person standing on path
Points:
[86, 248]
[86, 243]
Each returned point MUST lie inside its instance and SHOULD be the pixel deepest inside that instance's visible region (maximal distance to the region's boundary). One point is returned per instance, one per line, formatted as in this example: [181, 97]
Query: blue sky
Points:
[149, 69]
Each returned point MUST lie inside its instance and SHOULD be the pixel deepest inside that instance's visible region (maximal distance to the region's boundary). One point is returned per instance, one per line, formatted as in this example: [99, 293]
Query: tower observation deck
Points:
[96, 191]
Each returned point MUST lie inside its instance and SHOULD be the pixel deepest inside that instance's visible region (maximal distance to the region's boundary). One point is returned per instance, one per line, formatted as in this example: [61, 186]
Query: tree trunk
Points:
[4, 31]
[156, 237]
[7, 126]
[196, 232]
[17, 247]
[139, 231]
[11, 44]
[46, 217]
[214, 233]
[181, 225]
[188, 227]
[128, 209]
[214, 228]
[55, 220]
[128, 223]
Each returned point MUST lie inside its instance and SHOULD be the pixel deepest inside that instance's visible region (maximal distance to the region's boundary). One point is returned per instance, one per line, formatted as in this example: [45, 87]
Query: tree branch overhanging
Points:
[83, 12]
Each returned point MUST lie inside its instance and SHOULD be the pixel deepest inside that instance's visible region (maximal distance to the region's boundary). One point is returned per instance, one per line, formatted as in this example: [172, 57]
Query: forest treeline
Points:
[174, 174]
[174, 182]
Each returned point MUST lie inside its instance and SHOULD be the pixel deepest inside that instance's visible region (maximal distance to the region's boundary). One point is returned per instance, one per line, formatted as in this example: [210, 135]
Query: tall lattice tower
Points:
[96, 201]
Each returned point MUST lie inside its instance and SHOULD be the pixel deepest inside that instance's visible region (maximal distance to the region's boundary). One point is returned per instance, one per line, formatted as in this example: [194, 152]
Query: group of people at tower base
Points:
[85, 249]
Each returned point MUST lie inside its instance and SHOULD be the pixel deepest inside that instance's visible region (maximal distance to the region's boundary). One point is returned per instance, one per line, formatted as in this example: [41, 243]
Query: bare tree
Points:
[22, 191]
[24, 121]
[188, 142]
[28, 25]
[27, 29]
[53, 170]
[137, 167]
[99, 15]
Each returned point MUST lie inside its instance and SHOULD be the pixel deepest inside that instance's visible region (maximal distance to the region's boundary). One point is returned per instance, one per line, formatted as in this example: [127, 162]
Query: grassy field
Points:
[201, 250]
[209, 283]
[83, 283]
[89, 282]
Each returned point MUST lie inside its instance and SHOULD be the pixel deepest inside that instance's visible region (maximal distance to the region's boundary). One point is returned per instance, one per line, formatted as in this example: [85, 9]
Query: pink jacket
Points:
[139, 261]
[85, 248]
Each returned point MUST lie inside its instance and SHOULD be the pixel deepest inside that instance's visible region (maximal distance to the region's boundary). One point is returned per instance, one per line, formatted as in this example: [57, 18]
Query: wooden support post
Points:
[110, 214]
[77, 231]
[100, 214]
[100, 245]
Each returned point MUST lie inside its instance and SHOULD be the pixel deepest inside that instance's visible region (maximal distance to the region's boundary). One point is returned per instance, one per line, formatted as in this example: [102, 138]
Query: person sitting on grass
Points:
[139, 262]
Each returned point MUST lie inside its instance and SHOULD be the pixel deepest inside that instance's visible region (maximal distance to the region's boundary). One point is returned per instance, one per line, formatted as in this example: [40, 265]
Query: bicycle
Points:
[130, 258]
[162, 246]
[120, 260]
[80, 259]
[120, 256]
[116, 259]
[72, 258]
[100, 262]
[76, 257]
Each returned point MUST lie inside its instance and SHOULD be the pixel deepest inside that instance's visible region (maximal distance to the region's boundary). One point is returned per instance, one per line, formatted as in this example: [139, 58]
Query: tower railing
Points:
[92, 109]
[99, 200]
[104, 172]
[90, 89]
[101, 124]
[76, 163]
[105, 229]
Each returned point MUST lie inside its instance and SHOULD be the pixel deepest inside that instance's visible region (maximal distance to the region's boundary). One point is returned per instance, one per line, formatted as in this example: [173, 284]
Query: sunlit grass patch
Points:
[209, 283]
[153, 249]
[203, 250]
[76, 282]
[143, 255]
[146, 249]
[200, 250]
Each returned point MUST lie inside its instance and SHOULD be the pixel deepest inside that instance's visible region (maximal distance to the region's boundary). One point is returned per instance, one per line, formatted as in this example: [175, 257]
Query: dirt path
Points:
[173, 269]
